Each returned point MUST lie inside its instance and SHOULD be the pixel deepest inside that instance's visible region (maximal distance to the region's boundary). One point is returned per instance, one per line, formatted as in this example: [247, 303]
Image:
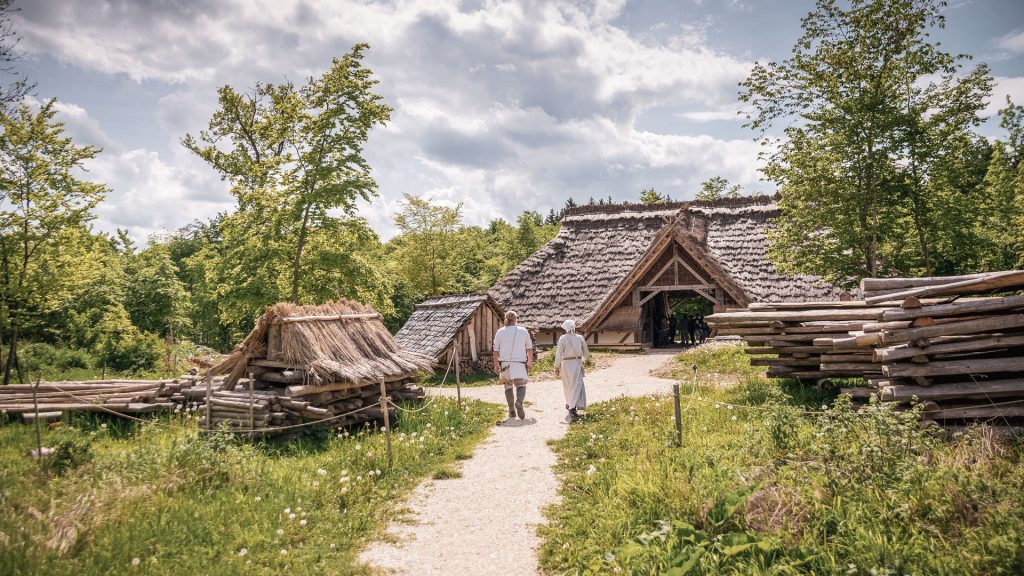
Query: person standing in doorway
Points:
[570, 355]
[513, 358]
[692, 325]
[684, 328]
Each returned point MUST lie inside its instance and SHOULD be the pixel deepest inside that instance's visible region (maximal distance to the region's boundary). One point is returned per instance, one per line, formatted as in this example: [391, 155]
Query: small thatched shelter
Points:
[612, 268]
[340, 342]
[441, 323]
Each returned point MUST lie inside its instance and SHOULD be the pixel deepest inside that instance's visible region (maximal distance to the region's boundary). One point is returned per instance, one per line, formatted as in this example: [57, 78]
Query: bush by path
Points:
[776, 490]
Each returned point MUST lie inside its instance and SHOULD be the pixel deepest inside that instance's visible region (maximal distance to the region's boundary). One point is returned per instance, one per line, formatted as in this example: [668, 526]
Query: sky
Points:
[502, 106]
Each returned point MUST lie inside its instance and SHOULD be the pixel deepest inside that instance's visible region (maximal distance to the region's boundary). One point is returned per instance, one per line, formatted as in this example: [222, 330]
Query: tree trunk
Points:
[12, 356]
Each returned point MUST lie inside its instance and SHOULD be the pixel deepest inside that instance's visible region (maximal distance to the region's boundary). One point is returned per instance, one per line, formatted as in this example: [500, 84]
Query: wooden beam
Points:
[984, 343]
[974, 306]
[993, 281]
[973, 366]
[989, 324]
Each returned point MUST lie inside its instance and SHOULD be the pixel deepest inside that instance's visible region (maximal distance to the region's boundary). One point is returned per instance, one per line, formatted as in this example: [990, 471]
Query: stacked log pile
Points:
[279, 400]
[121, 396]
[963, 357]
[795, 340]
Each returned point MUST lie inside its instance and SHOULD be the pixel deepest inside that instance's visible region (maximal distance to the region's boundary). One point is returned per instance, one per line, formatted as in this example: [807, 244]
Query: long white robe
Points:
[570, 354]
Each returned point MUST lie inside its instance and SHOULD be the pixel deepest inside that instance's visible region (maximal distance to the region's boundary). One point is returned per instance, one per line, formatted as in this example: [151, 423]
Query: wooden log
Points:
[986, 283]
[852, 367]
[833, 358]
[975, 412]
[989, 324]
[43, 416]
[898, 284]
[787, 349]
[952, 367]
[821, 315]
[896, 353]
[959, 308]
[968, 390]
[784, 361]
[858, 392]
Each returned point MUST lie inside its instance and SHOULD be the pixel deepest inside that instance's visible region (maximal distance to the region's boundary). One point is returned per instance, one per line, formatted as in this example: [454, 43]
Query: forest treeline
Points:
[871, 137]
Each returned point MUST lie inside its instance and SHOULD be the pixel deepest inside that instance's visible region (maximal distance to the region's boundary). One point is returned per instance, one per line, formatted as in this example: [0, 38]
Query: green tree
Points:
[1000, 229]
[717, 187]
[156, 299]
[427, 251]
[650, 196]
[42, 196]
[294, 157]
[868, 104]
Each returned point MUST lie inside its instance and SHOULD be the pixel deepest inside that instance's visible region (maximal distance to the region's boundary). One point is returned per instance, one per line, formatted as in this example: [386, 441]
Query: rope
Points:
[233, 430]
[433, 398]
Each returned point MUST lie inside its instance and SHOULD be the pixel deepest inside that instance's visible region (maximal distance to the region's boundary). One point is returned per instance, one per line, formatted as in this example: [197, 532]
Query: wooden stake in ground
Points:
[458, 376]
[387, 421]
[252, 380]
[39, 434]
[209, 390]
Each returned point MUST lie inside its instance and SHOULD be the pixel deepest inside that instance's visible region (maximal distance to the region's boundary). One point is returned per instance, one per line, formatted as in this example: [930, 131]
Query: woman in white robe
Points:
[570, 354]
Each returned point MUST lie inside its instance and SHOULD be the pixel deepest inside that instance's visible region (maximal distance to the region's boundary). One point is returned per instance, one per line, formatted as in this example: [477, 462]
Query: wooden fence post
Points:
[387, 420]
[39, 434]
[209, 390]
[252, 423]
[458, 377]
[679, 415]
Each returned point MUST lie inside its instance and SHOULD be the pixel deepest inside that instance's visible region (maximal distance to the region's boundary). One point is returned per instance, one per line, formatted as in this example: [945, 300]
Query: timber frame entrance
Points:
[670, 272]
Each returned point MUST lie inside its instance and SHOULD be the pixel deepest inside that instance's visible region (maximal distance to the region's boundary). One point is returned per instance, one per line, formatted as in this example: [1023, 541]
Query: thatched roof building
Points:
[612, 267]
[343, 341]
[468, 321]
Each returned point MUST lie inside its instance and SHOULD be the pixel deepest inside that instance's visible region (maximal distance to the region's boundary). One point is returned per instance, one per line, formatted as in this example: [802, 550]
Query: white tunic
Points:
[511, 344]
[570, 354]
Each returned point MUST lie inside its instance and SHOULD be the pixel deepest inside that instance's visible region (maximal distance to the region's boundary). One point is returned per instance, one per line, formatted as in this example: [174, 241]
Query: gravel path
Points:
[485, 522]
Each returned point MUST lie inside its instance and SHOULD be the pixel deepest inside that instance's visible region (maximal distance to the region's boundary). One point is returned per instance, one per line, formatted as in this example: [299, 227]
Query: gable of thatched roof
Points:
[570, 276]
[600, 251]
[344, 341]
[436, 321]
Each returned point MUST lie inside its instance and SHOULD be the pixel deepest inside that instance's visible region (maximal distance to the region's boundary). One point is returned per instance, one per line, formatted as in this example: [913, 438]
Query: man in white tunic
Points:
[570, 354]
[513, 357]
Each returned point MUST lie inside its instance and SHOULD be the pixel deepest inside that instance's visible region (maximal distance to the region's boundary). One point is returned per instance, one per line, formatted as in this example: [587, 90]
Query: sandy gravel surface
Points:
[485, 522]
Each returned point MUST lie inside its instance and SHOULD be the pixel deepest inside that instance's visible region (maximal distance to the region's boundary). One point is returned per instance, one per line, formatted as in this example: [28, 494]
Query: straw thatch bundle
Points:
[344, 341]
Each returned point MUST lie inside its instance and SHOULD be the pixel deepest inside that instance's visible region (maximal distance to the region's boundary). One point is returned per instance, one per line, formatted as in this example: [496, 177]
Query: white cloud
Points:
[509, 106]
[1012, 87]
[1012, 42]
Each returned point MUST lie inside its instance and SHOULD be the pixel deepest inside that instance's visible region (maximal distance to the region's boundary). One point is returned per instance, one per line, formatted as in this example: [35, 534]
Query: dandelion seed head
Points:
[135, 561]
[243, 551]
[280, 531]
[302, 522]
[284, 552]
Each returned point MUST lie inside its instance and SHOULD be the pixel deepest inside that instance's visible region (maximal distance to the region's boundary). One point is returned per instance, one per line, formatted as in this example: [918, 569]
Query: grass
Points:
[774, 490]
[180, 502]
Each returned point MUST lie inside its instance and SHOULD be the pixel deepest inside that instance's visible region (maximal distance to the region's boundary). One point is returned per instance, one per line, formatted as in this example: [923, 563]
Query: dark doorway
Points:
[668, 317]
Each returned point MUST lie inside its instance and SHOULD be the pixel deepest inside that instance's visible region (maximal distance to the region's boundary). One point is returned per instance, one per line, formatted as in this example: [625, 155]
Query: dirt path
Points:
[485, 522]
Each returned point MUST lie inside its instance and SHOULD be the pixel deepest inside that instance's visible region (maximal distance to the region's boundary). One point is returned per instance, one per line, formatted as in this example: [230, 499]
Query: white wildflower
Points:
[359, 446]
[243, 551]
[591, 470]
[280, 531]
[734, 418]
[288, 510]
[321, 472]
[258, 498]
[302, 522]
[284, 552]
[291, 516]
[135, 561]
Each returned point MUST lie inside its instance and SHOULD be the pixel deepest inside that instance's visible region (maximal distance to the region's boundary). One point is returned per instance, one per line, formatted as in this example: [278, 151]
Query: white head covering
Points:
[569, 325]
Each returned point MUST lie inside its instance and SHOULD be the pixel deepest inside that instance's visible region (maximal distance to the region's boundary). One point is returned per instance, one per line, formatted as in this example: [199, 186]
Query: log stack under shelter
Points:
[306, 364]
[936, 340]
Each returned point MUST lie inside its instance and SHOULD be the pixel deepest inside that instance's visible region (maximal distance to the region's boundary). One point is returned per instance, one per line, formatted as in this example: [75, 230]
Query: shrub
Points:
[36, 355]
[68, 358]
[69, 452]
[133, 351]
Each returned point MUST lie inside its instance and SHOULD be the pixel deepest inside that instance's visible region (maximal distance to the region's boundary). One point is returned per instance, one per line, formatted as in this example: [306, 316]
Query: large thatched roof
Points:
[343, 341]
[436, 321]
[570, 276]
[587, 267]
